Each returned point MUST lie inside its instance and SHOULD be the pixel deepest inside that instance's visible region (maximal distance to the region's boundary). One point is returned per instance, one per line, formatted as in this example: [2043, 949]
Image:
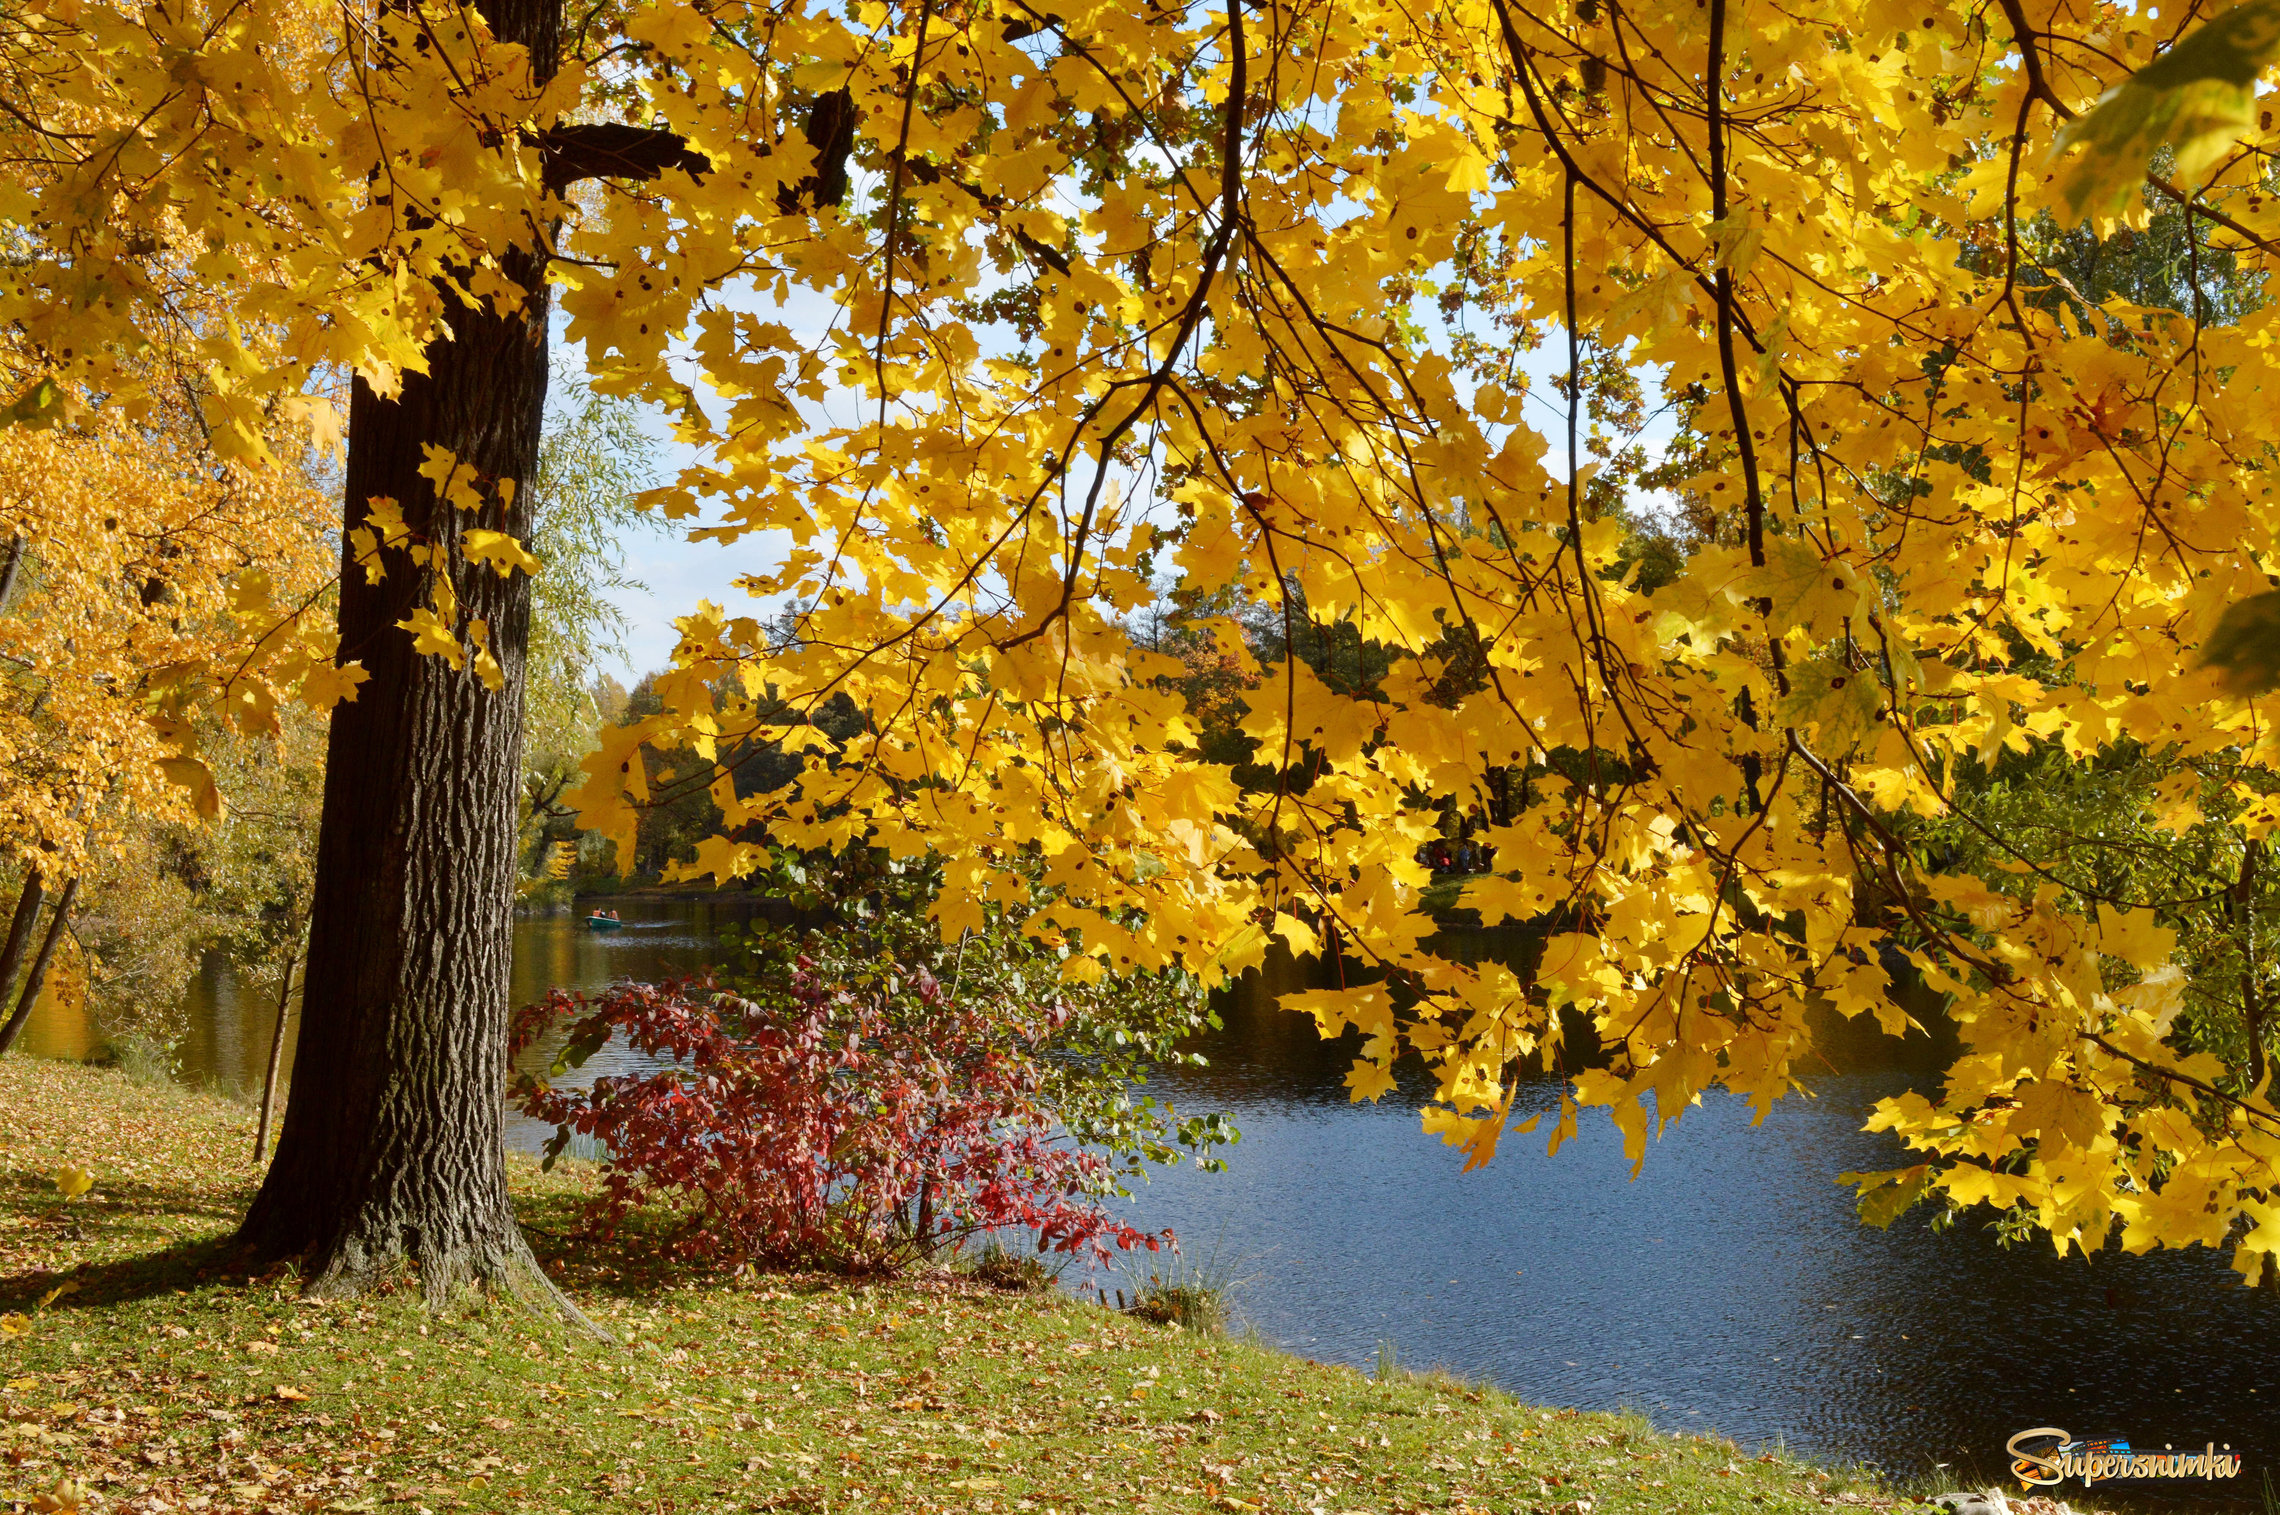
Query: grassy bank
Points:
[162, 1378]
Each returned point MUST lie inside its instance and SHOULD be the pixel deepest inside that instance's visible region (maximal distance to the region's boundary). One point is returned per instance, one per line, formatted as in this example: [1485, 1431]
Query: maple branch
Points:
[1892, 851]
[1714, 82]
[2171, 1075]
[830, 130]
[608, 150]
[2208, 212]
[605, 150]
[2244, 919]
[2024, 36]
[894, 214]
[1574, 479]
[926, 171]
[1722, 290]
[1214, 252]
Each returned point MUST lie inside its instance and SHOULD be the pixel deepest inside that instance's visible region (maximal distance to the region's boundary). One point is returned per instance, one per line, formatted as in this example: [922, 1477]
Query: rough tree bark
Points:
[391, 1151]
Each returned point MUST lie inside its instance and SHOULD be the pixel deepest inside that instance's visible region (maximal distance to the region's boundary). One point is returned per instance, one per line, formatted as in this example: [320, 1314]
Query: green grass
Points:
[166, 1378]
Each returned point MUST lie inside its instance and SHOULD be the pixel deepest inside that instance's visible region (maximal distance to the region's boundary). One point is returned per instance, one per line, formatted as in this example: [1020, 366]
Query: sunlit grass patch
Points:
[167, 1379]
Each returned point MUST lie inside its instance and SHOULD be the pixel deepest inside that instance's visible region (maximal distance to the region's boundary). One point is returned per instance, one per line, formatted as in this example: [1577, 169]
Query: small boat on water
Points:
[604, 923]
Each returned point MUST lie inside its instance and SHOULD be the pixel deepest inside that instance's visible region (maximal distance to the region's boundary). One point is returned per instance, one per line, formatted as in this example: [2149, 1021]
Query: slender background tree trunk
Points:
[11, 564]
[27, 916]
[35, 980]
[276, 1054]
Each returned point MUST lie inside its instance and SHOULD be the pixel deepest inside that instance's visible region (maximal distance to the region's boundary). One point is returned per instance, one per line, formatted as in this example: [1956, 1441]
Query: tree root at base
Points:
[353, 1267]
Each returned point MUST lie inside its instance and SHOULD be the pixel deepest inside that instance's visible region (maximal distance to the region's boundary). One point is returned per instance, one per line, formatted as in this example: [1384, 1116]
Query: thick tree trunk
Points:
[390, 1154]
[390, 1151]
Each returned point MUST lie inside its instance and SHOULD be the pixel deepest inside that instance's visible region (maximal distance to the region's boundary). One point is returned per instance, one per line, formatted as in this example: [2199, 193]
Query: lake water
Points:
[1729, 1288]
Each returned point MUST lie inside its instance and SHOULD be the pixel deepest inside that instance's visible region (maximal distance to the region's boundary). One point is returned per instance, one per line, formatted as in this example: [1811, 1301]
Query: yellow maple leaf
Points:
[486, 666]
[195, 776]
[323, 684]
[502, 552]
[2135, 936]
[431, 637]
[1468, 172]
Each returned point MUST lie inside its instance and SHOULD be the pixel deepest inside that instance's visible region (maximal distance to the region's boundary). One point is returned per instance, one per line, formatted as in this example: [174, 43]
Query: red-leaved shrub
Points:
[856, 1130]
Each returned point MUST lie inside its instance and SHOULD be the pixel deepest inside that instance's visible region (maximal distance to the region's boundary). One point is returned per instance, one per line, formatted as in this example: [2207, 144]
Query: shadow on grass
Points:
[123, 1280]
[34, 1195]
[113, 1248]
[638, 1258]
[641, 1259]
[120, 1262]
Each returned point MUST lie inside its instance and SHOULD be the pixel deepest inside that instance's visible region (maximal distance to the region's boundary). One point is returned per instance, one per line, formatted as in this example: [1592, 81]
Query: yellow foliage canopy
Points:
[1231, 292]
[157, 592]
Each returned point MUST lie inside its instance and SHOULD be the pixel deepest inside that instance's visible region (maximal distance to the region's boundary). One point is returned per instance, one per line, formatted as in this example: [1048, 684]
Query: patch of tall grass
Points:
[1178, 1291]
[143, 1058]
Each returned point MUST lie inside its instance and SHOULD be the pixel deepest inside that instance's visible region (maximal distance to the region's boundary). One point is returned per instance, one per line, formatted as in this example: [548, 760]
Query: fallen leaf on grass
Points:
[65, 1497]
[287, 1391]
[73, 1182]
[976, 1484]
[13, 1326]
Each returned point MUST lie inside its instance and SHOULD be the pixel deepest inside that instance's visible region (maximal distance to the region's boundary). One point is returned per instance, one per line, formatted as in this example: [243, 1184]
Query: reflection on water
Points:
[230, 1014]
[659, 939]
[1729, 1287]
